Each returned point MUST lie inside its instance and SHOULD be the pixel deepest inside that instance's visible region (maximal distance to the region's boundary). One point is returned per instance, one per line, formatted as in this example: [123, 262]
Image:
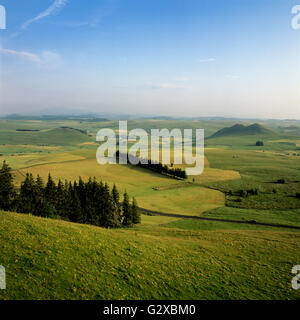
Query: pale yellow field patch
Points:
[25, 161]
[186, 201]
[283, 140]
[89, 144]
[213, 174]
[29, 146]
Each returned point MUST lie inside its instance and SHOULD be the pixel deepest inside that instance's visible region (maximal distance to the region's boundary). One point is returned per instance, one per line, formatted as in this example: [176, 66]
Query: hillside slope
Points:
[63, 136]
[48, 259]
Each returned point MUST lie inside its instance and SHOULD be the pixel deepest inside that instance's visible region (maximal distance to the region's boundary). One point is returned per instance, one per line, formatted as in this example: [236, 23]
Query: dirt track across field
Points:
[218, 220]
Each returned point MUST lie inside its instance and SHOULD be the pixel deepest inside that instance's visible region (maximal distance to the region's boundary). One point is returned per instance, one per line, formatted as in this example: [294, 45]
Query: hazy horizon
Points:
[209, 58]
[128, 116]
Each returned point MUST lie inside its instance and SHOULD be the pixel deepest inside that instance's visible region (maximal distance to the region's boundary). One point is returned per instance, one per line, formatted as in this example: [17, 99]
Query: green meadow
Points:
[160, 259]
[163, 257]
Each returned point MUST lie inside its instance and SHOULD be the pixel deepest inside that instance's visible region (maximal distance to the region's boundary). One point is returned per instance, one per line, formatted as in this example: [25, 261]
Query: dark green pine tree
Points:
[76, 214]
[7, 190]
[89, 209]
[126, 211]
[50, 198]
[50, 191]
[39, 194]
[27, 195]
[113, 213]
[136, 216]
[116, 197]
[68, 200]
[39, 186]
[60, 204]
[81, 189]
[105, 205]
[115, 194]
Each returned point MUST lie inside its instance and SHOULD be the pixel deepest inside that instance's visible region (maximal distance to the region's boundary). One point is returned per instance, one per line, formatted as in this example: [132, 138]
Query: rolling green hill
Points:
[164, 258]
[63, 136]
[242, 130]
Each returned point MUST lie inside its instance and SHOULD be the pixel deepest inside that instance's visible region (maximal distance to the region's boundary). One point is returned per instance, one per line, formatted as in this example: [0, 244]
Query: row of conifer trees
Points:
[89, 202]
[156, 166]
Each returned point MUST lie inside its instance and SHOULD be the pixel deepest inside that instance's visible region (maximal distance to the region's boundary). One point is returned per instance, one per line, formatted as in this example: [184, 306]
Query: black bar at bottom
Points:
[86, 310]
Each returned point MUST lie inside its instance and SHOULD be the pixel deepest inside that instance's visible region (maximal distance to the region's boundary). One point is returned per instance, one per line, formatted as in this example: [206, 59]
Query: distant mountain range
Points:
[242, 130]
[83, 117]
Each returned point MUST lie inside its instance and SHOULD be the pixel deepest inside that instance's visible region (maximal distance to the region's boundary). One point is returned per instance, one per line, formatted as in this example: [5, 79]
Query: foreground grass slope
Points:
[163, 258]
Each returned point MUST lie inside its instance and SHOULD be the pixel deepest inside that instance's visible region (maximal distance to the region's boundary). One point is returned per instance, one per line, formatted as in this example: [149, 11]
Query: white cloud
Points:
[45, 58]
[56, 5]
[206, 60]
[21, 54]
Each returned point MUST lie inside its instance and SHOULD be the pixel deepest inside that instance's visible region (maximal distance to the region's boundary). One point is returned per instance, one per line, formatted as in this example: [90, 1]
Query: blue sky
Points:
[166, 57]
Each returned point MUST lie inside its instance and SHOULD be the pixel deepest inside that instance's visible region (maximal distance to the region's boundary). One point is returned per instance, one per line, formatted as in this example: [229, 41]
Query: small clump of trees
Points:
[259, 143]
[281, 181]
[89, 202]
[245, 193]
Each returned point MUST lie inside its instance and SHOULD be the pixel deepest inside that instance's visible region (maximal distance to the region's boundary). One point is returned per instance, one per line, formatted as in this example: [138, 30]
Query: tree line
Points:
[89, 202]
[156, 167]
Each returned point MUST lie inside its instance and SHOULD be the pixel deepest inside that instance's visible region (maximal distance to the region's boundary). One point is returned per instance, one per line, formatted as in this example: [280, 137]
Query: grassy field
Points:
[248, 143]
[284, 217]
[163, 258]
[54, 137]
[160, 259]
[152, 191]
[258, 170]
[227, 168]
